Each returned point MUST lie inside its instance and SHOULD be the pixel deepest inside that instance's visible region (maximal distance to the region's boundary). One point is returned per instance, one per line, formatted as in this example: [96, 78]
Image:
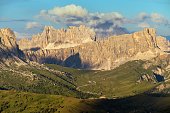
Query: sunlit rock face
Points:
[163, 43]
[9, 51]
[76, 47]
[8, 39]
[52, 38]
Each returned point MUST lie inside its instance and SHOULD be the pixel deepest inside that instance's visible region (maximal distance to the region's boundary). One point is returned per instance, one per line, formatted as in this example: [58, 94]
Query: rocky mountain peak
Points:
[146, 32]
[150, 30]
[146, 36]
[9, 51]
[163, 43]
[67, 48]
[48, 29]
[52, 38]
[8, 39]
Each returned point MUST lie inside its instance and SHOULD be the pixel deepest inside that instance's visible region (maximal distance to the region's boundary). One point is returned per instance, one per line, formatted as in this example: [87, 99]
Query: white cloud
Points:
[69, 10]
[156, 17]
[143, 25]
[103, 23]
[143, 16]
[22, 35]
[153, 17]
[31, 25]
[72, 15]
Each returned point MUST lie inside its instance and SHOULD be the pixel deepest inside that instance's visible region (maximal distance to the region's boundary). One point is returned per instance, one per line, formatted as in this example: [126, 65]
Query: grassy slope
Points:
[43, 81]
[119, 82]
[12, 101]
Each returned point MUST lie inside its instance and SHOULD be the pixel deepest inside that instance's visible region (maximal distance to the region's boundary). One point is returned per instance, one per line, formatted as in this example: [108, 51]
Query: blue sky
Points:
[27, 17]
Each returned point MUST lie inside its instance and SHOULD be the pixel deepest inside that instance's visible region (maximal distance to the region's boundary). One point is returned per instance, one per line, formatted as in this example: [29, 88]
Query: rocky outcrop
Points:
[163, 44]
[147, 78]
[160, 67]
[9, 51]
[106, 54]
[8, 39]
[52, 38]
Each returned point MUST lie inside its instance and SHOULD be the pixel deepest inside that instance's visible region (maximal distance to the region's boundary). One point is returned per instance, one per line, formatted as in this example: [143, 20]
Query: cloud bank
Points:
[104, 24]
[73, 15]
[31, 25]
[145, 19]
[69, 10]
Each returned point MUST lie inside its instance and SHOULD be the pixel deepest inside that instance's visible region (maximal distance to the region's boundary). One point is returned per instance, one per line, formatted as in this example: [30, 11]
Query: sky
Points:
[28, 17]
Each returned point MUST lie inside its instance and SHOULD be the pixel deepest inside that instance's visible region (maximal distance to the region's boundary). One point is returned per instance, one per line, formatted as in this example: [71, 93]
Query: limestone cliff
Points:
[8, 39]
[106, 54]
[9, 51]
[160, 66]
[52, 38]
[163, 44]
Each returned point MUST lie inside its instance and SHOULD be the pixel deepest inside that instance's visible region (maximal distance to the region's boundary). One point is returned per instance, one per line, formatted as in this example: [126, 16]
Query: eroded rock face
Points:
[9, 51]
[163, 44]
[147, 78]
[106, 54]
[8, 39]
[52, 38]
[160, 66]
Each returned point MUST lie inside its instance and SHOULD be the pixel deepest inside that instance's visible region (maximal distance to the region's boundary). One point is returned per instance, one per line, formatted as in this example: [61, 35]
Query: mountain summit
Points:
[52, 38]
[77, 47]
[9, 51]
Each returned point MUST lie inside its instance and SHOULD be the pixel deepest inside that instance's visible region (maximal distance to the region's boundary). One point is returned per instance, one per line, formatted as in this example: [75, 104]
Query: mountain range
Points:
[73, 62]
[78, 47]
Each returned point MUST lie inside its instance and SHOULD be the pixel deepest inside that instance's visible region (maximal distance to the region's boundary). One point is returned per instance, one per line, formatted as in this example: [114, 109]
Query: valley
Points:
[32, 81]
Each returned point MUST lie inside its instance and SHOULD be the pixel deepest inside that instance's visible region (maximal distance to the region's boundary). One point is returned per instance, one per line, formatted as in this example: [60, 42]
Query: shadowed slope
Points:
[12, 101]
